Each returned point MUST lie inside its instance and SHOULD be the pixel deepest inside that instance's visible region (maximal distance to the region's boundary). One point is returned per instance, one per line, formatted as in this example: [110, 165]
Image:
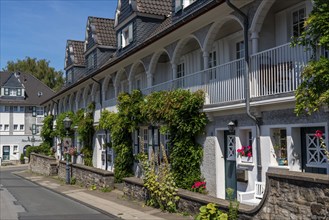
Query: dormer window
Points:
[180, 4]
[125, 36]
[69, 76]
[12, 91]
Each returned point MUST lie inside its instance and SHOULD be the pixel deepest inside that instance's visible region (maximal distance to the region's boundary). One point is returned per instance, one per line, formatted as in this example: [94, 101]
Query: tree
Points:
[38, 68]
[313, 92]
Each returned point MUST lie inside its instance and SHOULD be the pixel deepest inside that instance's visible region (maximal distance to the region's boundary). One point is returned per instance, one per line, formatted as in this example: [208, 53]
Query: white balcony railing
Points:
[221, 84]
[277, 70]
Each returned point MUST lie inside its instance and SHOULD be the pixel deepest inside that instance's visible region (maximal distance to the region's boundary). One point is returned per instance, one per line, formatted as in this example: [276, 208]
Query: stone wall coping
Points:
[43, 156]
[188, 195]
[91, 169]
[299, 176]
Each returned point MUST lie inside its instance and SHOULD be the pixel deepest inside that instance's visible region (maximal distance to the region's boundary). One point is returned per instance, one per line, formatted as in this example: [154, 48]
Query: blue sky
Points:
[40, 28]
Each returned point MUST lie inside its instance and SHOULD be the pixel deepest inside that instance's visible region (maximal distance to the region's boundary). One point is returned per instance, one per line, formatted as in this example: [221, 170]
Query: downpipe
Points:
[247, 88]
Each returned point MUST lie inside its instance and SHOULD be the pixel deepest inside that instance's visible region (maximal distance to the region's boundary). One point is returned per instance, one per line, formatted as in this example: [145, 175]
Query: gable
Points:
[13, 82]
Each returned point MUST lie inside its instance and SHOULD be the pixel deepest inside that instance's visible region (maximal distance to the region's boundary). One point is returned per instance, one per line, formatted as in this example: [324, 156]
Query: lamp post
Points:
[67, 125]
[231, 126]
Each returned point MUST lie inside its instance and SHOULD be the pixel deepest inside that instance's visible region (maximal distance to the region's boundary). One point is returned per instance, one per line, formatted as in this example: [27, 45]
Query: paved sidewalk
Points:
[110, 202]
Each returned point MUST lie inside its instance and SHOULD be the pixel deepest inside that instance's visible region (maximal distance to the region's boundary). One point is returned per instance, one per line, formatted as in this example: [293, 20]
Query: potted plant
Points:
[245, 152]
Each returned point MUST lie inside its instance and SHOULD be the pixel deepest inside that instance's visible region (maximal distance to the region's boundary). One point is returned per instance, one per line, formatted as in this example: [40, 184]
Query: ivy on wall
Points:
[178, 112]
[47, 132]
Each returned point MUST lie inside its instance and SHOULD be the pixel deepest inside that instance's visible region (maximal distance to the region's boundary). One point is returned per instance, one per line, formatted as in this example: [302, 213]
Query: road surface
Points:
[24, 200]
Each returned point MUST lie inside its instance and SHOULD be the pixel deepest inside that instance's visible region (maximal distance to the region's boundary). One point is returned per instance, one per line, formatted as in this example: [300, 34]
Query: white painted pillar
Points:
[149, 77]
[254, 42]
[174, 70]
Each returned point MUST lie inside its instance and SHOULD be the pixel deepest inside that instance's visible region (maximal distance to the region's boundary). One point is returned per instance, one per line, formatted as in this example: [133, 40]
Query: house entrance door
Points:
[6, 153]
[313, 156]
[230, 163]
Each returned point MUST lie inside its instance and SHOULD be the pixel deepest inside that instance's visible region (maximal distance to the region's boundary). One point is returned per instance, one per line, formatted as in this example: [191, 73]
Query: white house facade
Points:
[200, 44]
[21, 115]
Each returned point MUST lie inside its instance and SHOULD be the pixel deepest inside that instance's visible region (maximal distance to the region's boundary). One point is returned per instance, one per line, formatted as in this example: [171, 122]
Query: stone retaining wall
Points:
[43, 164]
[288, 194]
[87, 176]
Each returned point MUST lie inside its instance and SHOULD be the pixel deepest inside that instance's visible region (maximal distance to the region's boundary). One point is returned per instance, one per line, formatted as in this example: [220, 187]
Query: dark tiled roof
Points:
[104, 31]
[163, 26]
[12, 82]
[33, 87]
[78, 49]
[156, 7]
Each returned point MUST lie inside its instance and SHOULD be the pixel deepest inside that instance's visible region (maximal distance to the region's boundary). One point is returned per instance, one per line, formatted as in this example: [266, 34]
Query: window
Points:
[21, 108]
[7, 108]
[34, 129]
[13, 92]
[6, 91]
[280, 146]
[0, 127]
[240, 50]
[125, 37]
[69, 76]
[15, 127]
[298, 19]
[15, 148]
[6, 127]
[39, 111]
[15, 108]
[180, 70]
[239, 55]
[34, 111]
[21, 127]
[212, 62]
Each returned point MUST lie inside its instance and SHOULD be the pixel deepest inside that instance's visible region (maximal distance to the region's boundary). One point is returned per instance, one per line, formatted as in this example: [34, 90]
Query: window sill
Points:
[279, 167]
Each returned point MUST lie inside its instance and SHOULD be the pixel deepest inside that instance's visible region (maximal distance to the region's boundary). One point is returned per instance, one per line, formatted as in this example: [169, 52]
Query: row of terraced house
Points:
[195, 45]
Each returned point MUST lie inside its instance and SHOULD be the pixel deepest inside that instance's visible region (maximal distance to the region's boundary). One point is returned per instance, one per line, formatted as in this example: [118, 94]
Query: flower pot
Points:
[246, 159]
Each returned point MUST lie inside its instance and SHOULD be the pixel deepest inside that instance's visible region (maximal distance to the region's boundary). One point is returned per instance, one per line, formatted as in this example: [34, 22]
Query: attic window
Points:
[125, 36]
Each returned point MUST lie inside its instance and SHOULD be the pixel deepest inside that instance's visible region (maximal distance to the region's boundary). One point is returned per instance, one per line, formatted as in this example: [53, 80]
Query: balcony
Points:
[272, 72]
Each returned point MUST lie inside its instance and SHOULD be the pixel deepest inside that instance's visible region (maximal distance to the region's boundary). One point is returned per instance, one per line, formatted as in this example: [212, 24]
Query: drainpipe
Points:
[57, 108]
[101, 103]
[247, 89]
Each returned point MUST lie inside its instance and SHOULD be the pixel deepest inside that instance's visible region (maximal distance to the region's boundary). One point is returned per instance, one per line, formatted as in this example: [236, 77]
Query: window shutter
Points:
[34, 129]
[6, 91]
[34, 112]
[178, 5]
[136, 141]
[119, 40]
[130, 32]
[19, 92]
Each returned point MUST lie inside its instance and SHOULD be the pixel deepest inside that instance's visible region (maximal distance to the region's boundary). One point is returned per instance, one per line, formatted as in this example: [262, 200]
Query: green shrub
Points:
[210, 212]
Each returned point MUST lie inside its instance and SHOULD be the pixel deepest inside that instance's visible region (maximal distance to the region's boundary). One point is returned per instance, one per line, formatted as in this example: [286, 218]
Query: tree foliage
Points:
[313, 92]
[38, 68]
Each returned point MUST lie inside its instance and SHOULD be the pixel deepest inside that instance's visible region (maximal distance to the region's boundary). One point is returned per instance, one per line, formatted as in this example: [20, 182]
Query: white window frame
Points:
[15, 148]
[6, 127]
[21, 127]
[125, 36]
[300, 23]
[12, 92]
[15, 127]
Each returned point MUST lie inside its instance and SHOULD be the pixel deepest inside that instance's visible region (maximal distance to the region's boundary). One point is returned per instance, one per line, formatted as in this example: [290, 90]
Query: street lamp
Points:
[231, 126]
[67, 125]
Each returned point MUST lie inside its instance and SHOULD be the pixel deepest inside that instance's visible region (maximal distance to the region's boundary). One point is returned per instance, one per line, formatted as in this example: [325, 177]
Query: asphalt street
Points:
[24, 200]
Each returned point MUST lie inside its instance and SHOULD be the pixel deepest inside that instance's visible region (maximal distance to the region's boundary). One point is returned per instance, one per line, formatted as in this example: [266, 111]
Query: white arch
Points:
[119, 75]
[259, 17]
[155, 58]
[210, 38]
[134, 67]
[180, 46]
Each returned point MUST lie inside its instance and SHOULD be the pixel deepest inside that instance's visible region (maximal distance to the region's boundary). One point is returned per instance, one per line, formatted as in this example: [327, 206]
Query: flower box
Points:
[246, 159]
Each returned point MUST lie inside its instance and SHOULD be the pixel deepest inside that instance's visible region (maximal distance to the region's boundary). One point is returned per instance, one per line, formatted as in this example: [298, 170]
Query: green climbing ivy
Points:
[47, 131]
[178, 112]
